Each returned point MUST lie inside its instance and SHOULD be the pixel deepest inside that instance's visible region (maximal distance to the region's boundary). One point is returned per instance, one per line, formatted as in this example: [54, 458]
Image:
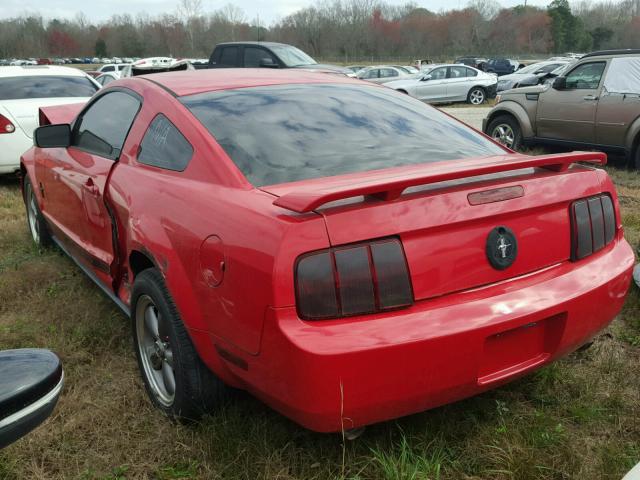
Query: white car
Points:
[449, 83]
[145, 66]
[112, 67]
[23, 90]
[384, 74]
[106, 78]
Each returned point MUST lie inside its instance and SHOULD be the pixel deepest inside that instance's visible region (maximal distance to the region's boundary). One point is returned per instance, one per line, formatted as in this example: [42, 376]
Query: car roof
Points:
[44, 70]
[191, 82]
[613, 53]
[264, 44]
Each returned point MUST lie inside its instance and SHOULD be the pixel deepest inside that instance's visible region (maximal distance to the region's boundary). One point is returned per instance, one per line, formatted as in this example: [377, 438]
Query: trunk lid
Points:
[445, 226]
[25, 111]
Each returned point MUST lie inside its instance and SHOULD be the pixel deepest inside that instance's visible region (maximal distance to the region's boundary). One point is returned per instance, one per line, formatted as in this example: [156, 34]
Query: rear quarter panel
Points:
[168, 215]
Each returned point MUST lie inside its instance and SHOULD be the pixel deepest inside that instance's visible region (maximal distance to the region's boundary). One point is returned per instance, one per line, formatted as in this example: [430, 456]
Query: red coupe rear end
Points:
[439, 278]
[341, 250]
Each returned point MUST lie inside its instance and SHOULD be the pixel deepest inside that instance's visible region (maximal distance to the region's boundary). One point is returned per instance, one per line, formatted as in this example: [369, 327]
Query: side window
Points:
[388, 73]
[229, 57]
[372, 73]
[104, 126]
[586, 76]
[457, 72]
[105, 80]
[439, 74]
[253, 56]
[163, 146]
[471, 72]
[110, 68]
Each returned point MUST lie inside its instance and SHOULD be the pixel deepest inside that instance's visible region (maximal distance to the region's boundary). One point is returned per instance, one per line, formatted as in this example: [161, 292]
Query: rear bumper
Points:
[343, 374]
[12, 146]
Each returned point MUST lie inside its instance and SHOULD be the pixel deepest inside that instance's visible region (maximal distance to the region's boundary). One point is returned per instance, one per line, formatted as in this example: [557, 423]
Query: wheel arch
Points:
[516, 111]
[140, 260]
[632, 140]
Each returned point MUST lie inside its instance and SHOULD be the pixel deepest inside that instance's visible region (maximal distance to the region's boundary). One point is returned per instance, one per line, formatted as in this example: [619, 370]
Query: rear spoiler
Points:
[389, 185]
[59, 113]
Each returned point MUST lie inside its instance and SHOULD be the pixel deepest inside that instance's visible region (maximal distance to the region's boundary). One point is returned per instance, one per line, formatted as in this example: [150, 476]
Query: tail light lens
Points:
[355, 280]
[593, 225]
[6, 126]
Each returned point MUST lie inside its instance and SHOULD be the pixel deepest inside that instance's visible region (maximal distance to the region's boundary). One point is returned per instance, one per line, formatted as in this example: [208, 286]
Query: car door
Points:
[619, 103]
[569, 114]
[433, 89]
[388, 75]
[458, 83]
[371, 75]
[79, 176]
[256, 57]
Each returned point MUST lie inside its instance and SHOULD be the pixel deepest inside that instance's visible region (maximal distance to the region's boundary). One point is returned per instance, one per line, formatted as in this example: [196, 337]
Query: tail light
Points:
[6, 126]
[354, 280]
[593, 225]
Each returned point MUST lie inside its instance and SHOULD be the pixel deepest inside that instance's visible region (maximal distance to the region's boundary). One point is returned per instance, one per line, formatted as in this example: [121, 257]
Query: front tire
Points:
[476, 96]
[35, 220]
[635, 157]
[176, 379]
[506, 130]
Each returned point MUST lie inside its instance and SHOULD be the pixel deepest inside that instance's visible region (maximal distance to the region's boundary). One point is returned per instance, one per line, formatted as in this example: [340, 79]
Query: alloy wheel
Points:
[476, 97]
[32, 213]
[155, 351]
[504, 134]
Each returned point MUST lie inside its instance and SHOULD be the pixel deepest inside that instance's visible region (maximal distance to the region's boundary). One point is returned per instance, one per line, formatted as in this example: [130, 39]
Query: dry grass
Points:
[577, 418]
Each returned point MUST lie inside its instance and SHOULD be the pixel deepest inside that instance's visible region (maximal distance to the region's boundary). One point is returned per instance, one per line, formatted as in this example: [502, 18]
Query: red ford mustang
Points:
[342, 251]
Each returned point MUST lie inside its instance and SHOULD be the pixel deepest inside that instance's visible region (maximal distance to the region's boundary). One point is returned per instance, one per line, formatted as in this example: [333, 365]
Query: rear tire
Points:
[35, 220]
[176, 379]
[506, 130]
[476, 96]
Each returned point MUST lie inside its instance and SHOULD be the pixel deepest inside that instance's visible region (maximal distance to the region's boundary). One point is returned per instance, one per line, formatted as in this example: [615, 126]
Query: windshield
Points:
[292, 56]
[295, 132]
[45, 86]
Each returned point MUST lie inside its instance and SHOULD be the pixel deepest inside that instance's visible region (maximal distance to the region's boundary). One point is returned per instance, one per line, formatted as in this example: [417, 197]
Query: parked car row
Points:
[17, 62]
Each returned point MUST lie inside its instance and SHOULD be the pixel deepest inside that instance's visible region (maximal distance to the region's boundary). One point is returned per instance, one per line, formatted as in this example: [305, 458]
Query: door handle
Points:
[590, 98]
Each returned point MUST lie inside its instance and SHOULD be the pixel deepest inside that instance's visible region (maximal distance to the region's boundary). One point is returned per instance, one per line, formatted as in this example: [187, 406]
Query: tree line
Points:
[345, 30]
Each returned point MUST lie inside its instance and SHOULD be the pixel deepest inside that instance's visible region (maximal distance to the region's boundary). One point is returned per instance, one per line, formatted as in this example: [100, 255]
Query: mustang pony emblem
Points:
[501, 248]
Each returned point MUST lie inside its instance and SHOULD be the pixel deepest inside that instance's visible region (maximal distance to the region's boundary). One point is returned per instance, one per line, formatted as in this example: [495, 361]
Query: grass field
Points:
[576, 419]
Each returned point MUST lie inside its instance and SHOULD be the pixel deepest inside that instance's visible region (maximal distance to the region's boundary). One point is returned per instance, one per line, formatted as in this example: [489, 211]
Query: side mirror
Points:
[51, 136]
[30, 385]
[425, 78]
[268, 63]
[559, 83]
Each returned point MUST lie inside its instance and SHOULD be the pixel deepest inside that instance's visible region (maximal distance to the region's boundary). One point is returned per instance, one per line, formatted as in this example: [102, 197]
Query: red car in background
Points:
[344, 252]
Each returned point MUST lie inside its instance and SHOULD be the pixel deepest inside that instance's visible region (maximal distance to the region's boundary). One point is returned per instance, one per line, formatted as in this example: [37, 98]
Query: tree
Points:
[101, 48]
[600, 36]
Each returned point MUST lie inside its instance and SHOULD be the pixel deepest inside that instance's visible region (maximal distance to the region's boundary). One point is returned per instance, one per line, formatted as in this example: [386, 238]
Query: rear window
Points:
[296, 132]
[44, 86]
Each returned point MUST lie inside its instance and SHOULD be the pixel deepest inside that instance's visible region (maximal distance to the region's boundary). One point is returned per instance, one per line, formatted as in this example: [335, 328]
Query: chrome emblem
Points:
[502, 248]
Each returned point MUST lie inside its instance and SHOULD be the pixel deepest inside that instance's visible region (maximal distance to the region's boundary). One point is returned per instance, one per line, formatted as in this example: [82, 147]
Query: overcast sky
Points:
[267, 10]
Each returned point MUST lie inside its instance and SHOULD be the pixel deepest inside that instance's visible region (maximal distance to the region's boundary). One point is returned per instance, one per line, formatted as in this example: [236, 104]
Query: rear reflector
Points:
[354, 280]
[6, 126]
[593, 225]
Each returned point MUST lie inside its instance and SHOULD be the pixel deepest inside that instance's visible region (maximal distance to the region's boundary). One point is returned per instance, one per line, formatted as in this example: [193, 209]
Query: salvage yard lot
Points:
[577, 418]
